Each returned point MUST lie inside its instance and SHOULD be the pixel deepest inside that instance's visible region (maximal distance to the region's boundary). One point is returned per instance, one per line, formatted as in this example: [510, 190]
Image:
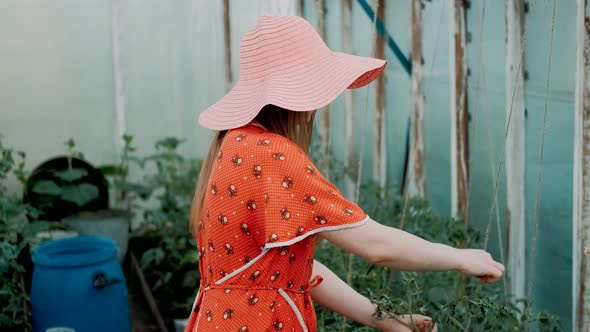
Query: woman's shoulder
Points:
[257, 141]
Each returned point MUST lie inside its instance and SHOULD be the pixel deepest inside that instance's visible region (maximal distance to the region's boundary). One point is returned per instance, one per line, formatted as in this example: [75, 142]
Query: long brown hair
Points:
[296, 126]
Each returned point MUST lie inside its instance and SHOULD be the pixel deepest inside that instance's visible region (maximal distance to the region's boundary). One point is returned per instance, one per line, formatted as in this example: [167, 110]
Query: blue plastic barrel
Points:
[78, 285]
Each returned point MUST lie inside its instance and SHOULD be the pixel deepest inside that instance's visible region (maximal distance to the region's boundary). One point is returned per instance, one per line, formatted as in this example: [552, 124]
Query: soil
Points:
[142, 319]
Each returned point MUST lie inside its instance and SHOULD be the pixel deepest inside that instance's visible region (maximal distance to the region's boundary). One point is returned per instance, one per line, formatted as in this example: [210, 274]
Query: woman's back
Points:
[264, 202]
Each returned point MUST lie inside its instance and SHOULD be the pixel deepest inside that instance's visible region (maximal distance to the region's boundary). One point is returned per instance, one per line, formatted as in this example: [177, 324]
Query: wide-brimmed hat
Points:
[284, 62]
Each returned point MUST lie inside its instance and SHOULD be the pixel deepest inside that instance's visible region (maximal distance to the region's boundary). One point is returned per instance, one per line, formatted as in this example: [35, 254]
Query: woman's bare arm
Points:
[400, 250]
[335, 295]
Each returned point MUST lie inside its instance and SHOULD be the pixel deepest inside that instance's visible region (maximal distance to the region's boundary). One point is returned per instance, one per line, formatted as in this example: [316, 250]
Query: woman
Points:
[261, 205]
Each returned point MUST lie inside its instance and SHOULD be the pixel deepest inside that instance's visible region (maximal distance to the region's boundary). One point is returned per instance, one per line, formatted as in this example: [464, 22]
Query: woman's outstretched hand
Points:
[408, 323]
[480, 264]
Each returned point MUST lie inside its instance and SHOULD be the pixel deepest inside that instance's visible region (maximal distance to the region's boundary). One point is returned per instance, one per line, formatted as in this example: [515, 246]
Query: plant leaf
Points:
[47, 187]
[110, 170]
[71, 175]
[80, 194]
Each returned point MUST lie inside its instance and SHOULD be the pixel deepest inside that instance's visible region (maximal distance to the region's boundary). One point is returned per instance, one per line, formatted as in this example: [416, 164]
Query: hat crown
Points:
[276, 43]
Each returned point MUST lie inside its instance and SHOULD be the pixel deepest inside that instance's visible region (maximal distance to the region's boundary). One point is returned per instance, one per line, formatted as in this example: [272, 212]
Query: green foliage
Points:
[16, 233]
[126, 191]
[455, 302]
[67, 185]
[171, 259]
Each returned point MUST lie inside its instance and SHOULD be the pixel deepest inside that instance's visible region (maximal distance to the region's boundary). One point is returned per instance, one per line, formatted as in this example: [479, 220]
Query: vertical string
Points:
[540, 173]
[361, 152]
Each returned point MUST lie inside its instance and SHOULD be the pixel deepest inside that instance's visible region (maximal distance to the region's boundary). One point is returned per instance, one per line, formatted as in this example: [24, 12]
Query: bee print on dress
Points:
[222, 273]
[258, 171]
[272, 238]
[266, 199]
[210, 269]
[232, 190]
[222, 219]
[287, 182]
[252, 299]
[244, 229]
[292, 258]
[285, 213]
[290, 285]
[213, 188]
[227, 290]
[283, 251]
[251, 205]
[272, 306]
[321, 220]
[202, 252]
[228, 249]
[309, 169]
[236, 160]
[310, 199]
[240, 138]
[243, 329]
[219, 155]
[279, 156]
[211, 247]
[255, 275]
[275, 275]
[348, 211]
[263, 142]
[209, 315]
[247, 259]
[228, 314]
[277, 325]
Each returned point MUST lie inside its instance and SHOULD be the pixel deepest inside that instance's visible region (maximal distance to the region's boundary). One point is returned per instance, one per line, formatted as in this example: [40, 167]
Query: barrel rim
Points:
[96, 249]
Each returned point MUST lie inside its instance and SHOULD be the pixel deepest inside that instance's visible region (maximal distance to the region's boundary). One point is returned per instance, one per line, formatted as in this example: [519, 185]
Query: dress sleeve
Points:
[298, 200]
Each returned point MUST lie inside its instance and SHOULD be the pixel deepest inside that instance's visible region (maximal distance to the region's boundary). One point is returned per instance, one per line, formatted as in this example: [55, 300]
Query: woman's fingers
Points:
[500, 266]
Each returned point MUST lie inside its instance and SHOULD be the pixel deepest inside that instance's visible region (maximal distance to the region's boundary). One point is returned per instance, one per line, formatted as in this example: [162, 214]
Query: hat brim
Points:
[299, 88]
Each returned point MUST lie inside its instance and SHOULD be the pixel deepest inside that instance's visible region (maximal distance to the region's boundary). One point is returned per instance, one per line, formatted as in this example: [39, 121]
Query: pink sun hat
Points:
[284, 62]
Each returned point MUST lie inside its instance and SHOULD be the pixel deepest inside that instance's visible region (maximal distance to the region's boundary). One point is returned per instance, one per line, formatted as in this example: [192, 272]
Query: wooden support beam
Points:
[515, 147]
[349, 141]
[581, 185]
[120, 113]
[325, 112]
[380, 171]
[301, 8]
[227, 40]
[459, 113]
[416, 158]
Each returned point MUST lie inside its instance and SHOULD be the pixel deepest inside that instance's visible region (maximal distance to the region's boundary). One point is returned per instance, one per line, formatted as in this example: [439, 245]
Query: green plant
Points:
[125, 190]
[16, 234]
[67, 185]
[454, 302]
[170, 262]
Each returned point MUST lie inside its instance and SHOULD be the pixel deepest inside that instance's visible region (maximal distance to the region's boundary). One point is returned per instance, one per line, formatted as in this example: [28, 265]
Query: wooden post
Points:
[459, 114]
[380, 126]
[349, 142]
[227, 40]
[416, 157]
[325, 112]
[515, 147]
[301, 8]
[581, 186]
[120, 114]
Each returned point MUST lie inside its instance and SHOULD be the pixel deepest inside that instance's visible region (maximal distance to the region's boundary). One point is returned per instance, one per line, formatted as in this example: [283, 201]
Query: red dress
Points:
[264, 203]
